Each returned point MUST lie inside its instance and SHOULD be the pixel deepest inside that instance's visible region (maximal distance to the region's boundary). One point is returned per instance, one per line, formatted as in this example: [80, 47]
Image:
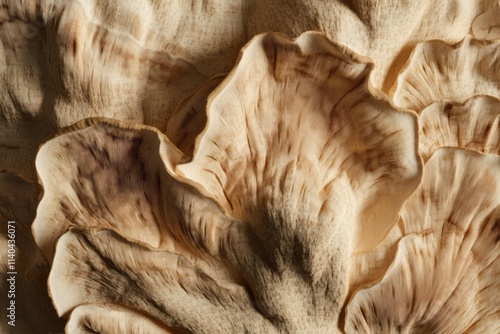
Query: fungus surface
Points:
[342, 180]
[474, 124]
[266, 213]
[444, 278]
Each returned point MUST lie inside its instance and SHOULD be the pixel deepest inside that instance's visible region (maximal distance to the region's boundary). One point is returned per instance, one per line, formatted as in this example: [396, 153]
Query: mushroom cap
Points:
[486, 26]
[438, 72]
[275, 193]
[266, 108]
[475, 125]
[257, 229]
[189, 118]
[113, 319]
[62, 62]
[164, 288]
[445, 277]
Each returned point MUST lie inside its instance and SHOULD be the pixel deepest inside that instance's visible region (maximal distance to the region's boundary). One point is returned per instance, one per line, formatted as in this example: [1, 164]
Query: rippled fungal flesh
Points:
[189, 118]
[343, 180]
[437, 72]
[444, 278]
[62, 62]
[265, 212]
[113, 319]
[486, 26]
[474, 124]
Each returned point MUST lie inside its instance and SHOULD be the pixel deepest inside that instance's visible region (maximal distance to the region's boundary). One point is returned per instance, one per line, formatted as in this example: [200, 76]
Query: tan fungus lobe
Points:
[88, 319]
[292, 205]
[474, 124]
[64, 61]
[276, 194]
[164, 287]
[445, 275]
[262, 108]
[189, 118]
[487, 26]
[437, 72]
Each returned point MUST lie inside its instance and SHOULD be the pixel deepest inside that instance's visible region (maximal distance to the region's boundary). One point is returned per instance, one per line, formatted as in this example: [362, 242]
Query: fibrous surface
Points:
[212, 167]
